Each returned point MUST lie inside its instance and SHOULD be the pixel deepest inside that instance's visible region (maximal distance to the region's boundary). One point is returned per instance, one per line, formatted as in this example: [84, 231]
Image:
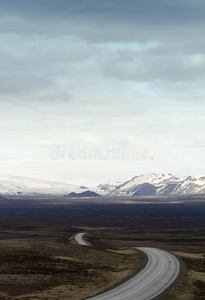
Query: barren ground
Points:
[40, 260]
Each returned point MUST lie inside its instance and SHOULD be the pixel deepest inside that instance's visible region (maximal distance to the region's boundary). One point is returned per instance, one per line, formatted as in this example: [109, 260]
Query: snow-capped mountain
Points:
[157, 184]
[22, 186]
[108, 186]
[143, 185]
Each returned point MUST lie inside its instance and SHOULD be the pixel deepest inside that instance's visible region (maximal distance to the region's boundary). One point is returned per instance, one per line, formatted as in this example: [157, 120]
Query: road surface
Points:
[79, 239]
[160, 272]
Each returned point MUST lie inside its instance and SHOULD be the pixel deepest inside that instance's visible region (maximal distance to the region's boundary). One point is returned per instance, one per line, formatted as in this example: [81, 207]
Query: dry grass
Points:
[192, 284]
[40, 260]
[189, 255]
[71, 292]
[53, 269]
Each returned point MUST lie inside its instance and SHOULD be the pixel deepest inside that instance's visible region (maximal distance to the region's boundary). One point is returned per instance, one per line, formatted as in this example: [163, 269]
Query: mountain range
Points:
[142, 185]
[156, 184]
[13, 186]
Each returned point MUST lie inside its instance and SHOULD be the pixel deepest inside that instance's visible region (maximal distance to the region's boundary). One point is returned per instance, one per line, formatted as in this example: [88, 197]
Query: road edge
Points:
[145, 261]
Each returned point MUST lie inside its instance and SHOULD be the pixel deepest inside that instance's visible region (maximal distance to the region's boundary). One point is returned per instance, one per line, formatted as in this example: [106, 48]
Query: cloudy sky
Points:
[94, 91]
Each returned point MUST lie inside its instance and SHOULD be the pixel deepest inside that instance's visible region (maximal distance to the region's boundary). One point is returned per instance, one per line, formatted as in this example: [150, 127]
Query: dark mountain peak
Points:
[83, 187]
[83, 194]
[145, 189]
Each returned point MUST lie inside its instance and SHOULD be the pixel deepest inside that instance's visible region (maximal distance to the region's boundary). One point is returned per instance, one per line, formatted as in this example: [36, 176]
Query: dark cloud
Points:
[53, 39]
[143, 9]
[113, 20]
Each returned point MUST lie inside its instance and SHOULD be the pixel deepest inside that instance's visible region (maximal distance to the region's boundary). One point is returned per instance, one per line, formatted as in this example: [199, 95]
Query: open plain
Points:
[39, 258]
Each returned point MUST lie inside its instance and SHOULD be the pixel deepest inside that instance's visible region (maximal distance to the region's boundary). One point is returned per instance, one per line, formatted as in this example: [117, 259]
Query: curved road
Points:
[160, 272]
[79, 239]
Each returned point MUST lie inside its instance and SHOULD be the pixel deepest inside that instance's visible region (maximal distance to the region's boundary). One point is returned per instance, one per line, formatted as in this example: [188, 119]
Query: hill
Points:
[14, 186]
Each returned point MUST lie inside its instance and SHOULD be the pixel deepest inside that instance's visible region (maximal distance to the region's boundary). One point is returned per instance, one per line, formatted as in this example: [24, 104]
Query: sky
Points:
[95, 91]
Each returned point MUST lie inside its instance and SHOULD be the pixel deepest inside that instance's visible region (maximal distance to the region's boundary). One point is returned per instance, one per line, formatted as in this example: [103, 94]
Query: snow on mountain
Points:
[157, 184]
[108, 186]
[142, 185]
[14, 186]
[192, 185]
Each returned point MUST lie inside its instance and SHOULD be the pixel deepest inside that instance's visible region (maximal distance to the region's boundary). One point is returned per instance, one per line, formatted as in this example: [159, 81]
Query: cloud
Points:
[135, 8]
[95, 21]
[36, 67]
[161, 63]
[89, 73]
[47, 43]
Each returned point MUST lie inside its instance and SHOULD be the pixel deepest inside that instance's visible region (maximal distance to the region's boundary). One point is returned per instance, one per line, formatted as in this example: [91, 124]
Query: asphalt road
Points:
[160, 272]
[79, 239]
